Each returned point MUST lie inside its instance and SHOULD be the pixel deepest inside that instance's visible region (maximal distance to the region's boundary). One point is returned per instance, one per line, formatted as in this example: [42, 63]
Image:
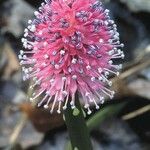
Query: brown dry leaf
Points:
[42, 120]
[121, 88]
[13, 63]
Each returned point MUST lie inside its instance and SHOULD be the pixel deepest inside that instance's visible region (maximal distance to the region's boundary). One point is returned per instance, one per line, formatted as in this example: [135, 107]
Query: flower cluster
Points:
[70, 47]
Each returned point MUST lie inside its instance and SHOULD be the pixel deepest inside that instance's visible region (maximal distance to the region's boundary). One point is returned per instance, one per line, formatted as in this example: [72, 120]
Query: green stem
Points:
[77, 128]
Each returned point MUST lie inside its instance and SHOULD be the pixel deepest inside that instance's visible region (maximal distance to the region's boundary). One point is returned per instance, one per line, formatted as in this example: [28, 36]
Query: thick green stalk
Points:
[77, 128]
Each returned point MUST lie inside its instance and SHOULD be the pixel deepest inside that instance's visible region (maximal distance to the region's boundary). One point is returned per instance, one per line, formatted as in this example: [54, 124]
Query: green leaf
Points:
[102, 114]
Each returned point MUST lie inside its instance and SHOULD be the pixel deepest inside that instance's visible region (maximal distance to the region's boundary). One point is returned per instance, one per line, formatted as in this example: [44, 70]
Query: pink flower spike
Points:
[70, 47]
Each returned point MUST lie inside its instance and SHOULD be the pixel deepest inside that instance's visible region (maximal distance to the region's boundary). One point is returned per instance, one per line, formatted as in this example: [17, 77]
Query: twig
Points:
[135, 69]
[136, 113]
[20, 125]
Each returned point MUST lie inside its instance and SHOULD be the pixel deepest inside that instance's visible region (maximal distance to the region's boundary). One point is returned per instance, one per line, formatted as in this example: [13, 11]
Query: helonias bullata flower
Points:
[70, 47]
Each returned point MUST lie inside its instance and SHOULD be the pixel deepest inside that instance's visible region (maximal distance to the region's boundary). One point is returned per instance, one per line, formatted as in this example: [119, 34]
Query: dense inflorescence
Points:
[70, 47]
